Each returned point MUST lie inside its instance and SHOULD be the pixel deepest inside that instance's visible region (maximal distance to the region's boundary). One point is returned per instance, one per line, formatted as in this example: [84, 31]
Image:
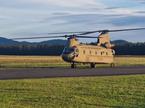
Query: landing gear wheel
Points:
[112, 65]
[92, 65]
[73, 65]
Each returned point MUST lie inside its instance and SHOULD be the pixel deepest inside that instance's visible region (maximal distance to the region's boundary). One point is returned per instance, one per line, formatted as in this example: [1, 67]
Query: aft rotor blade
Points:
[91, 32]
[126, 29]
[77, 33]
[86, 37]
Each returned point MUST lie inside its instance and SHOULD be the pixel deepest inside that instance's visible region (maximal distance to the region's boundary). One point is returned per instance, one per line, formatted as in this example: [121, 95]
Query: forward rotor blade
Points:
[66, 33]
[46, 37]
[39, 37]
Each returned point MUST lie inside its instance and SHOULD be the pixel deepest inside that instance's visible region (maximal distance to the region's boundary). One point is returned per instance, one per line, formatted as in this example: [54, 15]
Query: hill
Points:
[7, 42]
[120, 42]
[53, 42]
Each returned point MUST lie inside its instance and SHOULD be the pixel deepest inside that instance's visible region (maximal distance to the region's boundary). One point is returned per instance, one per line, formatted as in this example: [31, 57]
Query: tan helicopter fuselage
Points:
[82, 53]
[92, 54]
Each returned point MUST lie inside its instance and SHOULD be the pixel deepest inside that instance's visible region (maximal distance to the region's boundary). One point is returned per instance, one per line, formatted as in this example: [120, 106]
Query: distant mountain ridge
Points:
[120, 42]
[54, 42]
[7, 42]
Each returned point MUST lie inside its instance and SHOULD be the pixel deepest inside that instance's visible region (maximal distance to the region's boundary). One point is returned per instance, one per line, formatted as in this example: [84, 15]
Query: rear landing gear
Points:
[92, 65]
[73, 65]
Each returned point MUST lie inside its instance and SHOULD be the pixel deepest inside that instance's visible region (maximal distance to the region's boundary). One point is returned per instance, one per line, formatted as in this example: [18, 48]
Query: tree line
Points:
[31, 50]
[130, 49]
[125, 49]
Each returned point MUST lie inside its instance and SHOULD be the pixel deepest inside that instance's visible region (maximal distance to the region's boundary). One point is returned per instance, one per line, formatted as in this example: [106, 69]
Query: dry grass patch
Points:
[47, 61]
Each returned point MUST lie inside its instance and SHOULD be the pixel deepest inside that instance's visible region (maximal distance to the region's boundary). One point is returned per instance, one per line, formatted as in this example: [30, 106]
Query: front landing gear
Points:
[73, 65]
[112, 65]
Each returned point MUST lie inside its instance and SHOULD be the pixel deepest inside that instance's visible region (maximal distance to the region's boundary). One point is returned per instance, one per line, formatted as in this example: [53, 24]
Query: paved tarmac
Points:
[27, 73]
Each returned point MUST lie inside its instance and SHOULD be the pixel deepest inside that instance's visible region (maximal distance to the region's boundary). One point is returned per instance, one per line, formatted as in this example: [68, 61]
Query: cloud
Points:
[66, 3]
[140, 1]
[129, 21]
[23, 17]
[127, 12]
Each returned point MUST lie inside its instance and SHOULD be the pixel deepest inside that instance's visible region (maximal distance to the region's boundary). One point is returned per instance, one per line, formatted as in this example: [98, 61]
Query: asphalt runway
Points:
[27, 73]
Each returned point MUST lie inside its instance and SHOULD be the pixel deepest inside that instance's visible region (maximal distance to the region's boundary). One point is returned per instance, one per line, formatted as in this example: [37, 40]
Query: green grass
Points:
[89, 92]
[56, 61]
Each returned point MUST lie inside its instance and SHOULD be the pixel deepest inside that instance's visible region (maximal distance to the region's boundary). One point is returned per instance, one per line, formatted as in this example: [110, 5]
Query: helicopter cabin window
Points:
[96, 52]
[90, 52]
[84, 51]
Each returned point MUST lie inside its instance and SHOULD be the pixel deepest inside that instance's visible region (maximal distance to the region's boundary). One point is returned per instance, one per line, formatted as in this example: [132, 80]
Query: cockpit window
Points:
[68, 50]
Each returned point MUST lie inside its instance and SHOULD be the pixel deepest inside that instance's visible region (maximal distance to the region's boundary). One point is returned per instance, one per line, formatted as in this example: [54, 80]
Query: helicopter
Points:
[74, 52]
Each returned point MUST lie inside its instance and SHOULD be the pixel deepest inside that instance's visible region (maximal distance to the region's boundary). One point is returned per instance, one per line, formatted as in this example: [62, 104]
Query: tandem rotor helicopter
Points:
[74, 52]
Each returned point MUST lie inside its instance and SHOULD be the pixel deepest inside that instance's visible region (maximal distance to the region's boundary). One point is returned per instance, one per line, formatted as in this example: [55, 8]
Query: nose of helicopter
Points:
[68, 57]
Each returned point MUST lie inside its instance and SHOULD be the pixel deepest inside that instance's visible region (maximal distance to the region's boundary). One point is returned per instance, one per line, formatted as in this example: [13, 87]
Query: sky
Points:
[25, 18]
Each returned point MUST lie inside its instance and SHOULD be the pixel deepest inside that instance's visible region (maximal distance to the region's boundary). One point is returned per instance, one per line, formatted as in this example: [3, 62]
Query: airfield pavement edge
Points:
[53, 72]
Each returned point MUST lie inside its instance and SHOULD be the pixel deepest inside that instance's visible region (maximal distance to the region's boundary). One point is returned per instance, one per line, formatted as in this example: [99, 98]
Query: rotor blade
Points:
[78, 34]
[85, 37]
[39, 37]
[126, 29]
[66, 33]
[88, 32]
[46, 37]
[91, 32]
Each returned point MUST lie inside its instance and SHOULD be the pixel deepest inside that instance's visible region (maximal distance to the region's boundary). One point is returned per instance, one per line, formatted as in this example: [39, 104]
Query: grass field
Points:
[47, 61]
[89, 92]
[31, 61]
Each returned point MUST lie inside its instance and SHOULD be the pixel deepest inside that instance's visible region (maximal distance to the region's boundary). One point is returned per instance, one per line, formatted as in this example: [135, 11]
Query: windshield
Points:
[68, 50]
